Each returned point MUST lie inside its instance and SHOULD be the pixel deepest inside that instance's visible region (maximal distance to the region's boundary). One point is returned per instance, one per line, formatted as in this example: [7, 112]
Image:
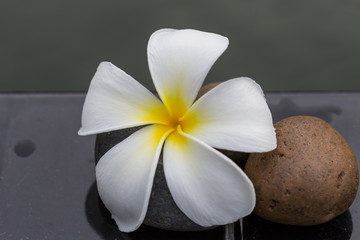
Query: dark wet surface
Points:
[100, 220]
[47, 182]
[340, 228]
[287, 107]
[24, 148]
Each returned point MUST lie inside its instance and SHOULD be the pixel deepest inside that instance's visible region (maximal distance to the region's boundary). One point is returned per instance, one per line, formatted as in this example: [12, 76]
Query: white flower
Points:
[206, 185]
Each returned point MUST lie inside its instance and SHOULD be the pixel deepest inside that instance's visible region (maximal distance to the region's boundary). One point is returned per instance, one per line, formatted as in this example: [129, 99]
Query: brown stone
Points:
[206, 88]
[239, 158]
[310, 178]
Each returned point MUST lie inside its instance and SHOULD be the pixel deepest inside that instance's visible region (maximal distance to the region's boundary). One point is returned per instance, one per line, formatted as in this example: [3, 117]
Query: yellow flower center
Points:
[175, 117]
[174, 123]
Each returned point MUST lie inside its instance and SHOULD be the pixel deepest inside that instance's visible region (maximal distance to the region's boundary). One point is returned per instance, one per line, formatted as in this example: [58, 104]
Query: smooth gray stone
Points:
[162, 211]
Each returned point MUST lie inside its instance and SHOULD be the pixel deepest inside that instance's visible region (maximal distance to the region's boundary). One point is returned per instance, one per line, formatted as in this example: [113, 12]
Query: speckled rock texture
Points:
[162, 211]
[310, 178]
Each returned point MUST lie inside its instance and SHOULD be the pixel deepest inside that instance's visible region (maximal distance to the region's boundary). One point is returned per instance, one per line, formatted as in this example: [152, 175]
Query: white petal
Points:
[116, 101]
[206, 185]
[234, 116]
[125, 175]
[179, 60]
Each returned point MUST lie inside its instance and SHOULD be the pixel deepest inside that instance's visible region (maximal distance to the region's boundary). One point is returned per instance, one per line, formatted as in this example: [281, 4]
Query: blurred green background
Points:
[48, 45]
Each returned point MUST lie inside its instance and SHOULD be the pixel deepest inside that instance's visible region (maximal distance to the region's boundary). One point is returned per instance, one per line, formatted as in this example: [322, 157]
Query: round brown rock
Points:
[206, 88]
[310, 178]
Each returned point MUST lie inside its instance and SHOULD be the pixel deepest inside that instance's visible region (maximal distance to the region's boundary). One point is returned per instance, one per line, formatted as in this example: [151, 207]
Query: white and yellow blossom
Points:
[206, 185]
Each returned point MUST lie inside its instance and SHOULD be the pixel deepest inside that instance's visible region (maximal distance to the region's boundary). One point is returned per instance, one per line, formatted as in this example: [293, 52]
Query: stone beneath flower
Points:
[162, 211]
[206, 88]
[206, 185]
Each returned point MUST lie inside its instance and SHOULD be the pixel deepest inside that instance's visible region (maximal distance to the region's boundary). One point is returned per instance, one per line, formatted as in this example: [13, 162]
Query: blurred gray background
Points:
[48, 45]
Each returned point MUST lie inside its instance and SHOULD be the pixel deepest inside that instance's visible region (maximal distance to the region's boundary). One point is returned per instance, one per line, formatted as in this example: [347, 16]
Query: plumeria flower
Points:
[207, 186]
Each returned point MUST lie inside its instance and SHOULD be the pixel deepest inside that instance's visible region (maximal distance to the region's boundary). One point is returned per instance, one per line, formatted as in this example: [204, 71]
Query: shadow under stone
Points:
[162, 210]
[100, 220]
[99, 217]
[256, 228]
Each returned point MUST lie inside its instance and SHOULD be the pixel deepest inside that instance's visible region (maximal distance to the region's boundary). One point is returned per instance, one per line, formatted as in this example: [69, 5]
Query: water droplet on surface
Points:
[24, 148]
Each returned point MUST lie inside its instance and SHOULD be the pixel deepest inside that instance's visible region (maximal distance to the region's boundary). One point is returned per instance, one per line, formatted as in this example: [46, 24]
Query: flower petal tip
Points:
[81, 132]
[105, 63]
[123, 227]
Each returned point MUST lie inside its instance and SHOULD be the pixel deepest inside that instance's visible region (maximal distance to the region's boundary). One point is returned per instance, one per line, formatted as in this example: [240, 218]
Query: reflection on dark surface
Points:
[256, 228]
[99, 219]
[287, 108]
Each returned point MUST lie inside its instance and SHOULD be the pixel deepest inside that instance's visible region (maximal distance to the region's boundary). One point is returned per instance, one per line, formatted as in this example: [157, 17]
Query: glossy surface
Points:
[47, 183]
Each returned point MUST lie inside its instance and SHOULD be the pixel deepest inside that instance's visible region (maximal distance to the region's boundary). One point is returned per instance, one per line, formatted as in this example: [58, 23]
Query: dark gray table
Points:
[47, 177]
